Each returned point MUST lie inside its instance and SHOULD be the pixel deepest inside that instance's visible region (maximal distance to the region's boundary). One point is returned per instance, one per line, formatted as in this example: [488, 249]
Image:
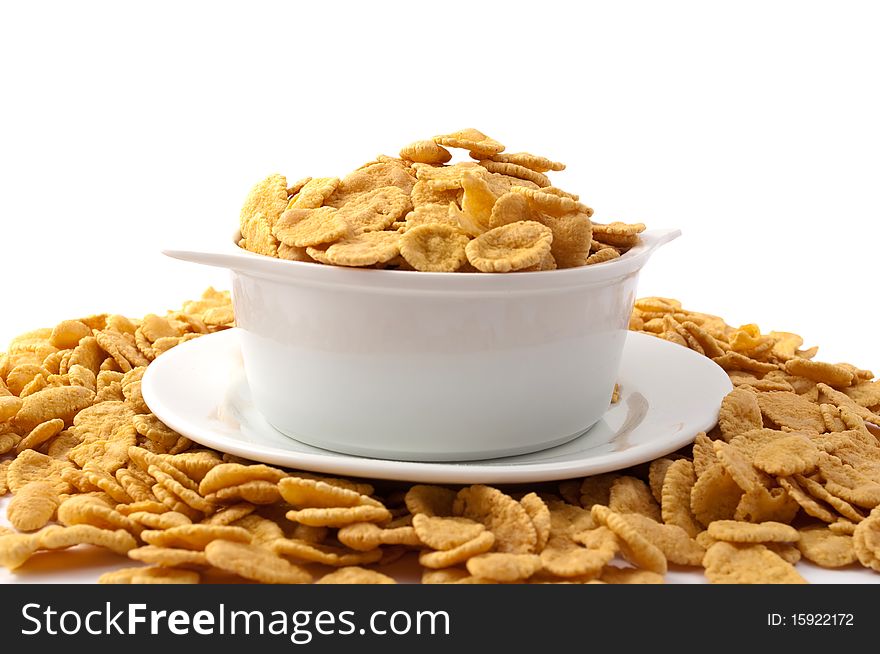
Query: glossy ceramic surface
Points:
[431, 366]
[668, 394]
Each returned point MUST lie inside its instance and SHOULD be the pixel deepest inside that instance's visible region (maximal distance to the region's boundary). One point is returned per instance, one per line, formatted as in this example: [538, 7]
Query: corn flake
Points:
[792, 411]
[310, 227]
[526, 160]
[618, 234]
[149, 575]
[509, 208]
[539, 514]
[501, 514]
[866, 542]
[364, 249]
[761, 504]
[510, 247]
[445, 533]
[434, 247]
[33, 506]
[632, 495]
[88, 510]
[366, 536]
[195, 536]
[676, 544]
[375, 175]
[675, 505]
[733, 531]
[374, 210]
[30, 466]
[355, 575]
[40, 434]
[821, 493]
[807, 503]
[615, 575]
[312, 194]
[571, 238]
[339, 516]
[310, 552]
[823, 547]
[425, 152]
[739, 413]
[634, 547]
[715, 495]
[817, 371]
[472, 140]
[740, 467]
[787, 456]
[268, 197]
[483, 542]
[504, 567]
[62, 402]
[430, 500]
[752, 564]
[255, 563]
[515, 170]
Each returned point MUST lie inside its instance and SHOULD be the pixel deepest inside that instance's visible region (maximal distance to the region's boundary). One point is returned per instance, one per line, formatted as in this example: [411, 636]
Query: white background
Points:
[752, 126]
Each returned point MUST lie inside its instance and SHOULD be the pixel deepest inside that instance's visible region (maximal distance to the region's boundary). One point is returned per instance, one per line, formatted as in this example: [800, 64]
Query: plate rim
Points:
[414, 471]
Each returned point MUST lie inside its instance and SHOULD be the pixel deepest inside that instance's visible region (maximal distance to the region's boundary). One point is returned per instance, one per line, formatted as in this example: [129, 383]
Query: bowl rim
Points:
[228, 254]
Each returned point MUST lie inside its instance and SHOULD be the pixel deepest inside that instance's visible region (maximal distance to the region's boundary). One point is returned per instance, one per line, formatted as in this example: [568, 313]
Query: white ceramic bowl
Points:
[430, 366]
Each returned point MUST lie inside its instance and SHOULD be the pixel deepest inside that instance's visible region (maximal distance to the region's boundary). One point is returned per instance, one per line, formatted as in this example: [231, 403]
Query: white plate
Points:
[668, 394]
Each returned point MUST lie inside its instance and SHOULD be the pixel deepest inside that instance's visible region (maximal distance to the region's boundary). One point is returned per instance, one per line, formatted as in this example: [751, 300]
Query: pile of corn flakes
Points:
[496, 214]
[791, 470]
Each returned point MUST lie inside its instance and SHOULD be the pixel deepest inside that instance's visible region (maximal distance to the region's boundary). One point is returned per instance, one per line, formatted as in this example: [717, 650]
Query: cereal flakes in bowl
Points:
[423, 310]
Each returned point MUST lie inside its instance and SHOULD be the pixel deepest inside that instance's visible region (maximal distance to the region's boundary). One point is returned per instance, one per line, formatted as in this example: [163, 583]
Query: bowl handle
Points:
[654, 238]
[218, 259]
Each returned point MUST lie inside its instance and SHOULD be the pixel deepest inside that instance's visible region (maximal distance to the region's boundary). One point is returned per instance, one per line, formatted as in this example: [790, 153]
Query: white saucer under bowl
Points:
[667, 394]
